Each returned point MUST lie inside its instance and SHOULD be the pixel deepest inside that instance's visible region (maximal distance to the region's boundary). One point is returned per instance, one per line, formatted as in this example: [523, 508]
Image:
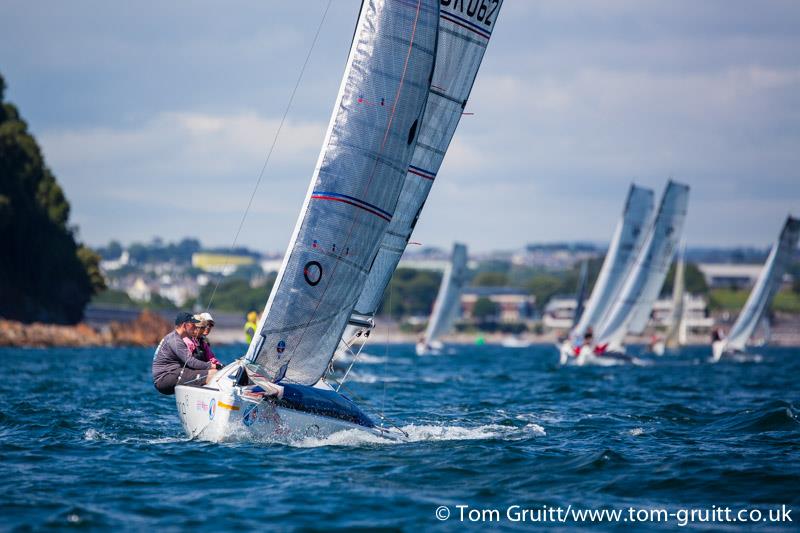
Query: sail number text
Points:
[480, 10]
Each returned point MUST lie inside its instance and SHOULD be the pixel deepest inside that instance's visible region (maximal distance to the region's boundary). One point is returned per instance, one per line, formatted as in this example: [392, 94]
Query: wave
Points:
[93, 434]
[366, 377]
[422, 433]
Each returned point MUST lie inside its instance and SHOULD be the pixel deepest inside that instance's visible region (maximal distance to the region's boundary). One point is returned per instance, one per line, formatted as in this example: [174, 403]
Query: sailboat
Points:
[675, 335]
[767, 285]
[277, 389]
[626, 242]
[634, 303]
[464, 35]
[446, 306]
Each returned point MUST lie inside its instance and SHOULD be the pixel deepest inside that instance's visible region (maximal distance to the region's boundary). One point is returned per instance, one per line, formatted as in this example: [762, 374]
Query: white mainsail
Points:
[353, 192]
[464, 32]
[632, 307]
[767, 285]
[446, 306]
[673, 338]
[628, 237]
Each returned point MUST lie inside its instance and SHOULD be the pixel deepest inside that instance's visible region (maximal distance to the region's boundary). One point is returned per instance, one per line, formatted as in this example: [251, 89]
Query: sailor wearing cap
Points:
[173, 363]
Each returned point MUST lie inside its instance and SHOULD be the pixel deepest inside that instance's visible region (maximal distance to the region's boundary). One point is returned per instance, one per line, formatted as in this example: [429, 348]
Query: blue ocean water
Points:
[89, 444]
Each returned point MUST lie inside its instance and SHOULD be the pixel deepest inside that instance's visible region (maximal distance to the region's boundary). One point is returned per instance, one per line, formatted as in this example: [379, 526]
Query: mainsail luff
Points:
[673, 336]
[766, 286]
[646, 277]
[353, 192]
[629, 235]
[446, 306]
[463, 37]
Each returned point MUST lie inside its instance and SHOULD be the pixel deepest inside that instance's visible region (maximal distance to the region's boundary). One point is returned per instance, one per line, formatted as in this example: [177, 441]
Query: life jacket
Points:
[249, 331]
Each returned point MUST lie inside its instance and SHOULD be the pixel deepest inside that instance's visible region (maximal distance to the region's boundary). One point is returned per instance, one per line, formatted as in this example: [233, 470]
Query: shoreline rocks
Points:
[146, 330]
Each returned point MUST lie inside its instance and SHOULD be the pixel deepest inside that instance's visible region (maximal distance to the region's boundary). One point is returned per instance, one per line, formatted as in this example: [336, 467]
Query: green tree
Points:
[485, 309]
[235, 295]
[410, 292]
[44, 275]
[545, 286]
[695, 282]
[490, 279]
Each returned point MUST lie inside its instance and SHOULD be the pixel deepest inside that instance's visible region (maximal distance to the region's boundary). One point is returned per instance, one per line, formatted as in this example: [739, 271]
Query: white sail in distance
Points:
[464, 32]
[646, 277]
[447, 304]
[629, 235]
[353, 192]
[767, 285]
[673, 336]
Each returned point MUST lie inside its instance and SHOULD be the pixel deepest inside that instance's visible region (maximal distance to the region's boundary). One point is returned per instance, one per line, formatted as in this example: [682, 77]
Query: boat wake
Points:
[93, 434]
[423, 433]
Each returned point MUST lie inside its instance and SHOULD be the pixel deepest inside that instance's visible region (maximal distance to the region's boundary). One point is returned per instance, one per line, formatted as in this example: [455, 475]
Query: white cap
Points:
[205, 317]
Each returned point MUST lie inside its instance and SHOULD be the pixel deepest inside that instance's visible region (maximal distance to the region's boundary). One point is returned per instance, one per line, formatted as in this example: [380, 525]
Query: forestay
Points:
[628, 237]
[631, 309]
[353, 192]
[768, 283]
[446, 306]
[464, 32]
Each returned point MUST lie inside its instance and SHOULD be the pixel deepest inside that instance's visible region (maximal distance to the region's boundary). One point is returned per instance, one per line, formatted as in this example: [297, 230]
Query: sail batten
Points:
[643, 282]
[353, 193]
[766, 286]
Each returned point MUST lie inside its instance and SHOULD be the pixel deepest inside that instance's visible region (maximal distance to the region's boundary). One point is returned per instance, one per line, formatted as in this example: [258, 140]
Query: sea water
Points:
[88, 443]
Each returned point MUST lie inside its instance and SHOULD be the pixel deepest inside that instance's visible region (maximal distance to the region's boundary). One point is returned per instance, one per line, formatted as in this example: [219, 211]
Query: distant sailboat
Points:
[447, 304]
[675, 336]
[767, 285]
[277, 389]
[628, 237]
[632, 307]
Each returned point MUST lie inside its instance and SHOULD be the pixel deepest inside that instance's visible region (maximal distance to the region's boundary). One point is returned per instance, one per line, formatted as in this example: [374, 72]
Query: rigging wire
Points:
[272, 147]
[386, 355]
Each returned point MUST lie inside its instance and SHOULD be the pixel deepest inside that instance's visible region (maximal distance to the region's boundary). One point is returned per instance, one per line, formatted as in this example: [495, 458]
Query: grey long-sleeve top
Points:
[171, 356]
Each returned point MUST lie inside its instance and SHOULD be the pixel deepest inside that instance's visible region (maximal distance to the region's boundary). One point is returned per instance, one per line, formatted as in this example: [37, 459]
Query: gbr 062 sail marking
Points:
[482, 11]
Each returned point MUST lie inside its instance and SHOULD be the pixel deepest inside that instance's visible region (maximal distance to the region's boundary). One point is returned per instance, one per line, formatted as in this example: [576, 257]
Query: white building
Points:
[729, 276]
[559, 313]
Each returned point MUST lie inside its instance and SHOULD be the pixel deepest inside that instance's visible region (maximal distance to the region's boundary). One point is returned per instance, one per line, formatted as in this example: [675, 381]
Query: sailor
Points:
[202, 348]
[251, 326]
[588, 342]
[173, 364]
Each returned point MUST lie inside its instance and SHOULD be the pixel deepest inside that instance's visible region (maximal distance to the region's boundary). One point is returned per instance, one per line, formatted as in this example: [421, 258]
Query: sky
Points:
[156, 117]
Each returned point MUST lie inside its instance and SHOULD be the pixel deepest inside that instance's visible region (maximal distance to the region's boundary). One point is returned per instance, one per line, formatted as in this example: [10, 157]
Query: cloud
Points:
[148, 111]
[181, 166]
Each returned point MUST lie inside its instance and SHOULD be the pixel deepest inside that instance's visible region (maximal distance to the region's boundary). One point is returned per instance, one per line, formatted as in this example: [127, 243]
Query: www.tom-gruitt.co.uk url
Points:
[548, 514]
